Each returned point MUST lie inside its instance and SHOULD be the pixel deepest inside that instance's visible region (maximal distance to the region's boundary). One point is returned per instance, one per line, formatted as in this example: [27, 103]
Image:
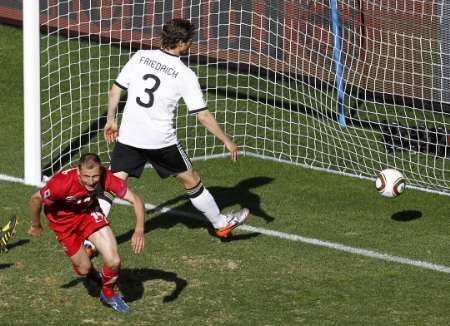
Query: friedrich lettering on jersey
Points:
[159, 66]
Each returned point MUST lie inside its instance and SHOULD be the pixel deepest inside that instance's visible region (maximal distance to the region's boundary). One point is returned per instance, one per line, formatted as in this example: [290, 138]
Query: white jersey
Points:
[155, 81]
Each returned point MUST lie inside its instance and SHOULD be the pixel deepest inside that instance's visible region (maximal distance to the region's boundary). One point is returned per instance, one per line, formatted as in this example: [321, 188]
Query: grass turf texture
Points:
[185, 276]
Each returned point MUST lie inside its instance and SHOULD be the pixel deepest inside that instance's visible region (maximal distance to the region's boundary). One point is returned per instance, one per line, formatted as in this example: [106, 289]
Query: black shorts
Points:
[167, 161]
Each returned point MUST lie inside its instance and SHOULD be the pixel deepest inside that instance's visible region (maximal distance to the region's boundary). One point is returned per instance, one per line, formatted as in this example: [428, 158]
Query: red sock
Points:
[109, 279]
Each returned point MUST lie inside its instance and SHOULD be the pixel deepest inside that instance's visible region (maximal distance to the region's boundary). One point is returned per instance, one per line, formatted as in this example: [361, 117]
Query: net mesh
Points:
[269, 76]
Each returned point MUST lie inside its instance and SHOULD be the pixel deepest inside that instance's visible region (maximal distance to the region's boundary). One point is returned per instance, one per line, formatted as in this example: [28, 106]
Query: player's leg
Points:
[173, 161]
[94, 227]
[125, 161]
[106, 244]
[106, 199]
[203, 201]
[201, 198]
[81, 263]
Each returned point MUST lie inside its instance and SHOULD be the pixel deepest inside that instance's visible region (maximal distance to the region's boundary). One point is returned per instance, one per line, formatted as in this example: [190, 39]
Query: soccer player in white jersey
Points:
[155, 80]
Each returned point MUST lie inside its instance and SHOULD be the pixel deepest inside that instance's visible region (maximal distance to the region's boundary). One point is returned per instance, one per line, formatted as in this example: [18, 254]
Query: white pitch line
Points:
[352, 250]
[312, 241]
[292, 237]
[10, 179]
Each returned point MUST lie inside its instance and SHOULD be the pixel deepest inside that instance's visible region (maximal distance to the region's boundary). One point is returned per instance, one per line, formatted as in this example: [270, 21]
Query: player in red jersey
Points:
[70, 199]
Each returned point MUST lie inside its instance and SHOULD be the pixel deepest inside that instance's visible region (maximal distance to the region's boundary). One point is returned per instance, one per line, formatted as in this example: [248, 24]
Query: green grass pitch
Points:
[186, 277]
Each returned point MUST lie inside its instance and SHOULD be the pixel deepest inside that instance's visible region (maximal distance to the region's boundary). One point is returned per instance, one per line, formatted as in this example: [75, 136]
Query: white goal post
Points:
[350, 87]
[31, 85]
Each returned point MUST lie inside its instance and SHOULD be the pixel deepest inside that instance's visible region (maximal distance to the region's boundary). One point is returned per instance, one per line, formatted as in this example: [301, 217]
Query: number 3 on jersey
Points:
[149, 91]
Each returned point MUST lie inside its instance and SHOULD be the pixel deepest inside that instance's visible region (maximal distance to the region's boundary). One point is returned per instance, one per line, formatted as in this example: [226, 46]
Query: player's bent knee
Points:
[82, 269]
[113, 262]
[195, 176]
[189, 178]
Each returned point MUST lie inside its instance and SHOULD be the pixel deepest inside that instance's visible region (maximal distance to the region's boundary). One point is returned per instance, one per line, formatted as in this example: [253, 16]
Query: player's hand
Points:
[233, 149]
[35, 231]
[137, 241]
[110, 131]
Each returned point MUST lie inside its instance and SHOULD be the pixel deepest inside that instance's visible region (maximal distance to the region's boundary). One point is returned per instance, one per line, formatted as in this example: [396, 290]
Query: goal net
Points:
[349, 86]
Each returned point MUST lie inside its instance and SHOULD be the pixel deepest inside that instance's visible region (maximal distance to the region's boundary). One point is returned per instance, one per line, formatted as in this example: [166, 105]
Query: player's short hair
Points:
[89, 161]
[176, 30]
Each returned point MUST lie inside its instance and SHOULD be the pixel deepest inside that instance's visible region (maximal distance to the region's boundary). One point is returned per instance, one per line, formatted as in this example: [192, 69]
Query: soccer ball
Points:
[390, 183]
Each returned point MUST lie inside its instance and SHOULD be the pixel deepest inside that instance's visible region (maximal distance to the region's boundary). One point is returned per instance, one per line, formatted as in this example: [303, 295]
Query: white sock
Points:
[105, 200]
[205, 203]
[105, 206]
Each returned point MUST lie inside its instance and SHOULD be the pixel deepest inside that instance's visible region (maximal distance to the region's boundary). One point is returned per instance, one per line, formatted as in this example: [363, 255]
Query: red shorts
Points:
[72, 239]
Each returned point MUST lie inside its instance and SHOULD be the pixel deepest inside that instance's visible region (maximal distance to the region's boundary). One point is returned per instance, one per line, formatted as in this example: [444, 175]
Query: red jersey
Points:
[66, 200]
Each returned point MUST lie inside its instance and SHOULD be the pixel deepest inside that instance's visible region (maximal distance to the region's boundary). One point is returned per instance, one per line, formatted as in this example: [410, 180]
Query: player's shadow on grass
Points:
[131, 283]
[186, 214]
[3, 266]
[406, 216]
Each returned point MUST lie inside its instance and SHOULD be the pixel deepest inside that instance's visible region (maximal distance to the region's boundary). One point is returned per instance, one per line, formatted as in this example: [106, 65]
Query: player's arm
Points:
[192, 95]
[111, 128]
[209, 122]
[137, 239]
[35, 210]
